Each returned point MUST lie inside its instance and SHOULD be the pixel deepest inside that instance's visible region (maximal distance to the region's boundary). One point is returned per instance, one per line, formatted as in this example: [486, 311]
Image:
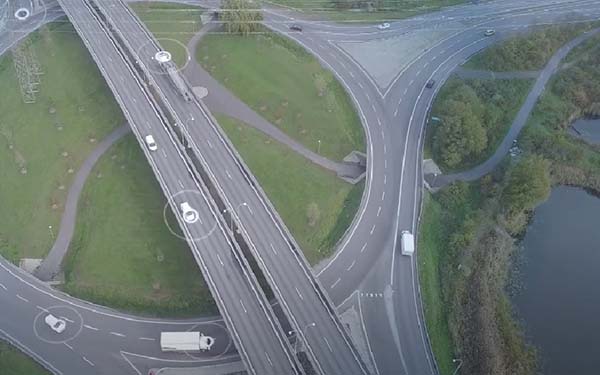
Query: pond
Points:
[560, 299]
[586, 129]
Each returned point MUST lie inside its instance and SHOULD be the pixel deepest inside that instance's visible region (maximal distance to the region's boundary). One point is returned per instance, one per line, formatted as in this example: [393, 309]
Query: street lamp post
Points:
[460, 363]
[318, 146]
[231, 213]
[292, 332]
[51, 232]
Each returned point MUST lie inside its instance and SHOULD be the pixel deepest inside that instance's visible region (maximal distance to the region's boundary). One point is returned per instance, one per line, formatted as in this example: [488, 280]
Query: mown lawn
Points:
[43, 144]
[123, 254]
[293, 183]
[432, 245]
[14, 362]
[286, 85]
[171, 23]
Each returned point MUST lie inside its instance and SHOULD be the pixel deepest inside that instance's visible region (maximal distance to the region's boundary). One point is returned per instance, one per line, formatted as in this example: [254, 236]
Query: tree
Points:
[528, 184]
[241, 16]
[461, 135]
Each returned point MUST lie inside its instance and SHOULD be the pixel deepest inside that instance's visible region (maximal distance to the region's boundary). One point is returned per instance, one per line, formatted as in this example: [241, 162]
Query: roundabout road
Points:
[367, 271]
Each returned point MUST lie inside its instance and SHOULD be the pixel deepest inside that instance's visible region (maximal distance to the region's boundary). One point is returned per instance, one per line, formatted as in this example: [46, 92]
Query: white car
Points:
[189, 214]
[489, 32]
[383, 26]
[151, 143]
[57, 325]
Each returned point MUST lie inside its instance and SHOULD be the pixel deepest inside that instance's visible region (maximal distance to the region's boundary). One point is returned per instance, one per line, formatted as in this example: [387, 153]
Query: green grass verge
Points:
[14, 362]
[33, 140]
[432, 243]
[358, 11]
[286, 85]
[293, 183]
[123, 254]
[527, 52]
[172, 24]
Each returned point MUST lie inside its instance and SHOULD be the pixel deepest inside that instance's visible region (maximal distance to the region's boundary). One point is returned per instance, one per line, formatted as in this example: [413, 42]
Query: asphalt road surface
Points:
[367, 270]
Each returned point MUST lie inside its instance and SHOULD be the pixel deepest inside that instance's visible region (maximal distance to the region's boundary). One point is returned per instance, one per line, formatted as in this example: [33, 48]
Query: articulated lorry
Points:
[185, 342]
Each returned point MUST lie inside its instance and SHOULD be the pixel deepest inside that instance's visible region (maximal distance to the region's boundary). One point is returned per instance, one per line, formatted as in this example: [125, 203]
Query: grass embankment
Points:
[43, 144]
[172, 24]
[468, 231]
[360, 11]
[13, 362]
[286, 85]
[315, 204]
[123, 254]
[475, 115]
[527, 52]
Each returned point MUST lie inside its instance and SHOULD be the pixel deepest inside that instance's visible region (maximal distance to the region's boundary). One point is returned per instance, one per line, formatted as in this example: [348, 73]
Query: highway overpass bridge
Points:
[238, 233]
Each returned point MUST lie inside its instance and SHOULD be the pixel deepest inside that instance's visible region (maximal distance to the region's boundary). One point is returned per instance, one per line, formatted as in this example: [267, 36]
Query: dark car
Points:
[430, 83]
[296, 27]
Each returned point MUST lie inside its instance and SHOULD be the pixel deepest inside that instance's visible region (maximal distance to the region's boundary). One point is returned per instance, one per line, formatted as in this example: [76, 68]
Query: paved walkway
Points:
[51, 266]
[519, 122]
[467, 73]
[221, 100]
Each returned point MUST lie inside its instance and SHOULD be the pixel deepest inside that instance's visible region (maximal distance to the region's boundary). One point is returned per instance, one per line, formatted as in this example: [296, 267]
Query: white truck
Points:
[185, 342]
[408, 243]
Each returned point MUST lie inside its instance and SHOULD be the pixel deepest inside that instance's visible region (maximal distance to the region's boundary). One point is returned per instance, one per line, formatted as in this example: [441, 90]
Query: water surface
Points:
[560, 300]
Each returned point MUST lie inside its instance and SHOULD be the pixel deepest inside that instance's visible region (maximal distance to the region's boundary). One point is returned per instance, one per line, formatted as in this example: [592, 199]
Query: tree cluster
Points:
[241, 16]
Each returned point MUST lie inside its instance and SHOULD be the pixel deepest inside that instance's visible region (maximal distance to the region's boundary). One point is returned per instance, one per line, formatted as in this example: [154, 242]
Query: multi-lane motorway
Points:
[367, 270]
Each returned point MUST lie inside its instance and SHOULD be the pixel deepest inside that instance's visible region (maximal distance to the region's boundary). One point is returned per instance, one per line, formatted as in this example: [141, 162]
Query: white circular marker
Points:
[163, 56]
[22, 14]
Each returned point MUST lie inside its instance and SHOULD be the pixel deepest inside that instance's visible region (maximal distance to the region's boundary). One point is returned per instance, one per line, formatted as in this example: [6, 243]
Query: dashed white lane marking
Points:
[373, 106]
[164, 153]
[22, 298]
[351, 265]
[378, 121]
[68, 346]
[135, 101]
[385, 179]
[384, 149]
[209, 144]
[3, 287]
[378, 211]
[418, 72]
[220, 261]
[367, 95]
[41, 308]
[396, 111]
[117, 334]
[372, 229]
[405, 91]
[425, 65]
[363, 247]
[343, 65]
[385, 163]
[90, 327]
[67, 319]
[351, 74]
[147, 339]
[327, 342]
[383, 195]
[411, 82]
[335, 283]
[269, 359]
[88, 361]
[299, 294]
[360, 85]
[148, 125]
[180, 183]
[228, 174]
[243, 307]
[273, 249]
